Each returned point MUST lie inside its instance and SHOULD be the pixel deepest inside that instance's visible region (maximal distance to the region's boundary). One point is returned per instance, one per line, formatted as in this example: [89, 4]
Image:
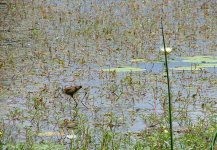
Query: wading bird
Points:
[71, 91]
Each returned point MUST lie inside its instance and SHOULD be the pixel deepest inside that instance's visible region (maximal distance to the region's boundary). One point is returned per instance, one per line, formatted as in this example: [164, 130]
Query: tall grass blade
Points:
[168, 86]
[213, 141]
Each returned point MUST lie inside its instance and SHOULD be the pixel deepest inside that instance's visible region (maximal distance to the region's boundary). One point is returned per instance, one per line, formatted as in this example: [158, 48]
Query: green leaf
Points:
[123, 69]
[197, 67]
[200, 59]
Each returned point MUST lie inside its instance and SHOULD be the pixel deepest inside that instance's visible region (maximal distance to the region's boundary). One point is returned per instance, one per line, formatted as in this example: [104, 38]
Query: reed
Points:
[168, 87]
[212, 147]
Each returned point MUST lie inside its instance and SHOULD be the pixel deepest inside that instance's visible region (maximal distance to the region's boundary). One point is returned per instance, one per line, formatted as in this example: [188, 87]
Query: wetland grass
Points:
[102, 35]
[168, 86]
[212, 147]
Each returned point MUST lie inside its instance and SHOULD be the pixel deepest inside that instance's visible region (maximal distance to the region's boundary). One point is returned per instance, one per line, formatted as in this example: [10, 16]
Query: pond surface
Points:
[48, 45]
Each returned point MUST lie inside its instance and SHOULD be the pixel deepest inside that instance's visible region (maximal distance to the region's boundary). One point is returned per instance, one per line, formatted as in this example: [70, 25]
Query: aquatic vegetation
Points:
[49, 134]
[138, 60]
[196, 67]
[189, 68]
[200, 59]
[37, 146]
[168, 50]
[123, 69]
[49, 45]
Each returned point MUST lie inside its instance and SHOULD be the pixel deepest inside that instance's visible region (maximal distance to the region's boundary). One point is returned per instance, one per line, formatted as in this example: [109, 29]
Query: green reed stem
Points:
[213, 141]
[168, 86]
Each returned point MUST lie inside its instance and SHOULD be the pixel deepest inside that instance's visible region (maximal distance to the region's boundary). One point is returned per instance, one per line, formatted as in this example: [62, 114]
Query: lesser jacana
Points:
[71, 91]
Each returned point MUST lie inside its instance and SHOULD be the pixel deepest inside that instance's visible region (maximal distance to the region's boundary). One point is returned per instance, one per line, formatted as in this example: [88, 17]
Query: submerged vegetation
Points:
[113, 49]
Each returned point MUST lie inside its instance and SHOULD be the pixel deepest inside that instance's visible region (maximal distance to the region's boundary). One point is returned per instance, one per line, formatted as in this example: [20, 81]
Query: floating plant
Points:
[50, 134]
[136, 60]
[200, 59]
[196, 67]
[123, 69]
[46, 46]
[167, 49]
[142, 60]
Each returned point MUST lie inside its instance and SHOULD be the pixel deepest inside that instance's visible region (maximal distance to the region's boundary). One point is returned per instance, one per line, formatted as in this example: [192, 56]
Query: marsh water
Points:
[48, 45]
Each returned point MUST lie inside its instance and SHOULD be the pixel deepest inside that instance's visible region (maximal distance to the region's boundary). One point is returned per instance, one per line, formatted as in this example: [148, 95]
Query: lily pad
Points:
[49, 134]
[123, 69]
[197, 67]
[193, 68]
[207, 65]
[138, 60]
[200, 59]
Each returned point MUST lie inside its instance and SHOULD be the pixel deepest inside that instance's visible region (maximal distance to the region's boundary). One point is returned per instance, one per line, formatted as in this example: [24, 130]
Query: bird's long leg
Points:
[70, 110]
[76, 103]
[84, 96]
[82, 100]
[84, 105]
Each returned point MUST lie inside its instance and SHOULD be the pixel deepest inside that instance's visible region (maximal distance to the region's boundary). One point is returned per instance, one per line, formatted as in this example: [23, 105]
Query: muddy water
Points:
[46, 46]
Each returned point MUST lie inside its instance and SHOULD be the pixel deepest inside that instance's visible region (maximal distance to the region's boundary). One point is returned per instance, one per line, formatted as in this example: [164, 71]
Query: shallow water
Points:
[46, 46]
